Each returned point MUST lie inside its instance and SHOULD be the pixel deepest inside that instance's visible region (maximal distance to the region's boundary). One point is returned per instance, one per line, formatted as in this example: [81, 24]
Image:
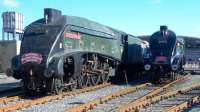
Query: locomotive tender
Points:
[167, 54]
[66, 52]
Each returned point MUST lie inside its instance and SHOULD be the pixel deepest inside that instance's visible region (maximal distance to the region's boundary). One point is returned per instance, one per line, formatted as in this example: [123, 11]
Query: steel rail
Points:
[90, 105]
[184, 105]
[9, 99]
[150, 95]
[145, 103]
[46, 99]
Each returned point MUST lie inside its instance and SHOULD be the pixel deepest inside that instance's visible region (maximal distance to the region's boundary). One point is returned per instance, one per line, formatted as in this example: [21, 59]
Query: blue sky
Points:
[137, 17]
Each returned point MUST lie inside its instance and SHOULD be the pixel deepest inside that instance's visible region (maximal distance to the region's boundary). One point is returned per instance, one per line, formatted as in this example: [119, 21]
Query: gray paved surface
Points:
[8, 82]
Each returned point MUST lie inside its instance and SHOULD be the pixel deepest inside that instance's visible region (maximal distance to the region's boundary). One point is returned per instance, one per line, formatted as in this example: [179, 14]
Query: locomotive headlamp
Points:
[174, 67]
[178, 44]
[147, 67]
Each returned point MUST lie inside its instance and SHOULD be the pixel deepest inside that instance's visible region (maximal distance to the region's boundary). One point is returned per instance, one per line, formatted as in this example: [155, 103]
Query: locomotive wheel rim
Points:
[95, 79]
[49, 85]
[80, 82]
[25, 88]
[73, 86]
[26, 91]
[87, 80]
[105, 78]
[57, 85]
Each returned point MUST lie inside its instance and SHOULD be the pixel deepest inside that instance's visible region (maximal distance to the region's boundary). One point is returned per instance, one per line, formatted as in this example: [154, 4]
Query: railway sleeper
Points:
[140, 104]
[45, 99]
[184, 105]
[95, 102]
[137, 104]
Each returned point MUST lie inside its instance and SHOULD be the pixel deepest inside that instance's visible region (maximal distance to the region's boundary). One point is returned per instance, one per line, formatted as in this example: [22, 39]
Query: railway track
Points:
[144, 97]
[113, 101]
[162, 101]
[157, 106]
[185, 104]
[95, 102]
[17, 102]
[175, 101]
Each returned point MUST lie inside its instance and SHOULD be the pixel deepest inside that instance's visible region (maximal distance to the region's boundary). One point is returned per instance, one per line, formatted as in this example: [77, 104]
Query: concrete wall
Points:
[8, 49]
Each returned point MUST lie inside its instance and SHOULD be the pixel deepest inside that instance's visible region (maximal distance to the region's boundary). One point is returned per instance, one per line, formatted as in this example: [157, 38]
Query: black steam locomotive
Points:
[167, 54]
[64, 52]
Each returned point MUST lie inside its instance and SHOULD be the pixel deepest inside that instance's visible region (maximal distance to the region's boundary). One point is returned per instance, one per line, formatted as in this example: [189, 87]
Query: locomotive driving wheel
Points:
[73, 84]
[95, 79]
[57, 85]
[24, 87]
[87, 80]
[80, 82]
[104, 78]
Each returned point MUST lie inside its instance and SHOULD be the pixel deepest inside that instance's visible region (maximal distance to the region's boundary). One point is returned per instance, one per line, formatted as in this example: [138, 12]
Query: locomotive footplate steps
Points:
[93, 103]
[139, 103]
[43, 100]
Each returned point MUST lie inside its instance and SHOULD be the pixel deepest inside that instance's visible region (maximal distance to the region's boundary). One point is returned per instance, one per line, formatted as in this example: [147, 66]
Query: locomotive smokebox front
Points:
[32, 69]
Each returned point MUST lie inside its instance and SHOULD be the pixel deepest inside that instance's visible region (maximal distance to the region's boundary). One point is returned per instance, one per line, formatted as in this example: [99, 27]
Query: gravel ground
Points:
[72, 101]
[159, 107]
[12, 103]
[195, 108]
[8, 82]
[113, 104]
[165, 104]
[188, 83]
[4, 79]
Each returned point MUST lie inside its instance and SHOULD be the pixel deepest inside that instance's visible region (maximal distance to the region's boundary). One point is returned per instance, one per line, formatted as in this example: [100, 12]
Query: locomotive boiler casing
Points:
[56, 46]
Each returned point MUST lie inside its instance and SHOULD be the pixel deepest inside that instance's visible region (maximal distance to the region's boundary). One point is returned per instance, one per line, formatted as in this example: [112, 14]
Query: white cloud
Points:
[156, 1]
[11, 3]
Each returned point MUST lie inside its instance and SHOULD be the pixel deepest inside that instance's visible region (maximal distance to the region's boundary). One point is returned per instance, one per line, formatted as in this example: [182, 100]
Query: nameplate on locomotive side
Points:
[72, 36]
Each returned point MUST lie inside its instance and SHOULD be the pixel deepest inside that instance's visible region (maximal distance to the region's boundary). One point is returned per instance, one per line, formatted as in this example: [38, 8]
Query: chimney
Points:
[50, 15]
[163, 28]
